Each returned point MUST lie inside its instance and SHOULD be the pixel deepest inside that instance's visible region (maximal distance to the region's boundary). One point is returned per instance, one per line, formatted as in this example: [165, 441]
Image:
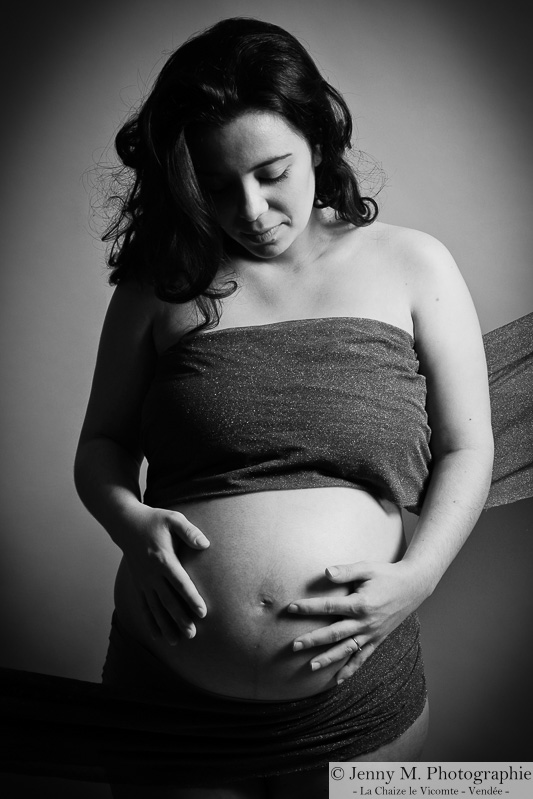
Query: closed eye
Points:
[220, 189]
[277, 179]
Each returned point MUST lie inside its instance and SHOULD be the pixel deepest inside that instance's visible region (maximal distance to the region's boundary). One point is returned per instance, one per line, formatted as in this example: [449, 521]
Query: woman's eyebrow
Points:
[272, 160]
[268, 162]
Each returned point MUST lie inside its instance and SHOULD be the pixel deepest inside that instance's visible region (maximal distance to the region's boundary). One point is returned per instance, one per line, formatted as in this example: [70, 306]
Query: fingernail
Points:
[201, 541]
[315, 665]
[190, 632]
[201, 611]
[297, 646]
[332, 571]
[292, 608]
[340, 682]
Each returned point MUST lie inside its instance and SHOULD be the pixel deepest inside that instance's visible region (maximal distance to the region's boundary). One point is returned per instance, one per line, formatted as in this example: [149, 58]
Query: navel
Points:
[266, 601]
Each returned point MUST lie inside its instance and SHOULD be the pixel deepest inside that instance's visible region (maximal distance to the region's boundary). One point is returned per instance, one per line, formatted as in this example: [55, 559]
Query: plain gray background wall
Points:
[440, 94]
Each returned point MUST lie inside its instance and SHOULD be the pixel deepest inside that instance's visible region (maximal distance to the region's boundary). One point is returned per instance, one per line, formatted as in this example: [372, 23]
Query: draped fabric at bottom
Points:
[181, 735]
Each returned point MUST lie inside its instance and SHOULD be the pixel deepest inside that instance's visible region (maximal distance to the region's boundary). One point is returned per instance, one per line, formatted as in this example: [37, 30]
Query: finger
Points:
[347, 648]
[176, 610]
[187, 531]
[169, 626]
[332, 634]
[179, 579]
[158, 626]
[350, 572]
[355, 663]
[320, 606]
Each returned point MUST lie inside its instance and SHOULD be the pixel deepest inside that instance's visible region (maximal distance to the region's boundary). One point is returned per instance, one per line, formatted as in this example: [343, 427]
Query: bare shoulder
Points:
[125, 364]
[422, 264]
[417, 255]
[417, 272]
[137, 313]
[426, 278]
[133, 304]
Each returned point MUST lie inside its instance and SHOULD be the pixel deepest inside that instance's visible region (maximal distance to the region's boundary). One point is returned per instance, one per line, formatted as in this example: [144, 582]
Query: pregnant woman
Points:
[280, 358]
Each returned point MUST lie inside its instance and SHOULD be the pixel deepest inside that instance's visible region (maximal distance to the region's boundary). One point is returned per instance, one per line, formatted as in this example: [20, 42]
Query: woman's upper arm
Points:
[124, 367]
[450, 349]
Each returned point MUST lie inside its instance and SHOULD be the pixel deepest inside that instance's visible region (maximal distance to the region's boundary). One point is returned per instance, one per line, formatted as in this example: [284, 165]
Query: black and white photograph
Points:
[267, 425]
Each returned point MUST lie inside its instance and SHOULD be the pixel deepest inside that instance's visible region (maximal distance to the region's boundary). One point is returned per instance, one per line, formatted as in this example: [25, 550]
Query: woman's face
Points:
[260, 174]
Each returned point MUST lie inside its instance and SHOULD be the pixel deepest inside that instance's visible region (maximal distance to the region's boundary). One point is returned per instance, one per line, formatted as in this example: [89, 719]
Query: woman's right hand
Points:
[168, 596]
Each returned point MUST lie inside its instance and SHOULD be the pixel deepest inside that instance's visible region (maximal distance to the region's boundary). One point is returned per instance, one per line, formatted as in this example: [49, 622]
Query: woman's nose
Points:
[252, 203]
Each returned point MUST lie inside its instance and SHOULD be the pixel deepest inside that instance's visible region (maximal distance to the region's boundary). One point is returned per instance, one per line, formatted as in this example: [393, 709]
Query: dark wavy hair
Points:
[165, 231]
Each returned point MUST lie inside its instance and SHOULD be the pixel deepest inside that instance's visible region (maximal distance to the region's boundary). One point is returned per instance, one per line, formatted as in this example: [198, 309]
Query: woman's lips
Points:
[264, 237]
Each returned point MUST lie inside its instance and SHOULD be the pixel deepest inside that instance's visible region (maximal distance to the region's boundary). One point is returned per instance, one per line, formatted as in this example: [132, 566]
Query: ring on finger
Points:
[356, 642]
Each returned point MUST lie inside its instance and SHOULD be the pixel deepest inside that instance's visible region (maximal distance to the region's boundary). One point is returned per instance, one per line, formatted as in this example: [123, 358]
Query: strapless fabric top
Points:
[335, 401]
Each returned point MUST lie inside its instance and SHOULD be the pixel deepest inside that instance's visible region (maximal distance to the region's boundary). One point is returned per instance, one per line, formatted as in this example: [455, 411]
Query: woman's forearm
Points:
[456, 495]
[107, 480]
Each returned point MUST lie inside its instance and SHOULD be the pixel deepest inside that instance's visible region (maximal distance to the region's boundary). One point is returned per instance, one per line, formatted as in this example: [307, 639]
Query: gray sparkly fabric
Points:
[145, 724]
[210, 739]
[509, 351]
[301, 404]
[334, 401]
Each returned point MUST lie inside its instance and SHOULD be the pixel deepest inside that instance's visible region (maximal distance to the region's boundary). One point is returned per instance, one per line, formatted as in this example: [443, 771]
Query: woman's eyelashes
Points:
[277, 178]
[221, 188]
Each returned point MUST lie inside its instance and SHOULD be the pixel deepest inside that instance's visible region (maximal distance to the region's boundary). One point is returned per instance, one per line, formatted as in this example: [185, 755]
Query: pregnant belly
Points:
[267, 550]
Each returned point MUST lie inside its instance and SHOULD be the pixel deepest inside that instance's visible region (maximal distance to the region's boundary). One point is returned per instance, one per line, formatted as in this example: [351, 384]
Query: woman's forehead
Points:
[251, 140]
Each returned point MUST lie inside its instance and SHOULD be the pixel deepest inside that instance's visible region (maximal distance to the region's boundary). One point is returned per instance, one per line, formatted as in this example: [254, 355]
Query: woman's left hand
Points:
[384, 594]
